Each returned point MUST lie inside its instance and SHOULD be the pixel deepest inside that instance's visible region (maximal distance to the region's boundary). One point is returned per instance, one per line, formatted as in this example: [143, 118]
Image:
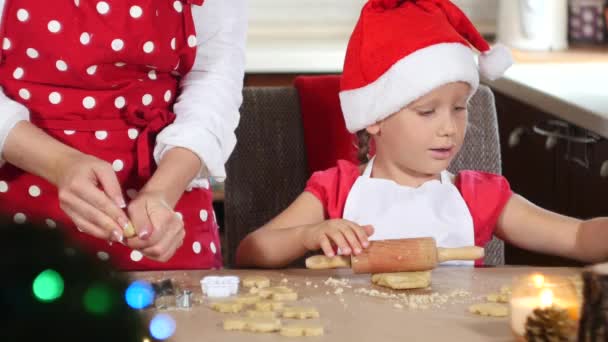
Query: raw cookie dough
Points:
[269, 305]
[300, 312]
[295, 330]
[321, 262]
[263, 325]
[129, 230]
[256, 282]
[247, 299]
[497, 298]
[261, 314]
[278, 293]
[227, 306]
[502, 297]
[490, 309]
[403, 280]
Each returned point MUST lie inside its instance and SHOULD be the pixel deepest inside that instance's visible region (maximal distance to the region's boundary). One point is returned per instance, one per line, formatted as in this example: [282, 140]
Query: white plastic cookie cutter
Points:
[220, 286]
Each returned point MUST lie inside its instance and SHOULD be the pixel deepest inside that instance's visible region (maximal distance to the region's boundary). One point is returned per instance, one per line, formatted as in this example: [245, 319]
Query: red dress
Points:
[102, 76]
[485, 194]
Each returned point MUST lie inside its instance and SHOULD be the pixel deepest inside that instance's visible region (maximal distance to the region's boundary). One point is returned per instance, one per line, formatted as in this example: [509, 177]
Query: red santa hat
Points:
[402, 49]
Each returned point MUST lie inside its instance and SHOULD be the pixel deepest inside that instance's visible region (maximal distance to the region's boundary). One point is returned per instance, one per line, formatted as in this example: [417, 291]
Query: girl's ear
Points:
[373, 129]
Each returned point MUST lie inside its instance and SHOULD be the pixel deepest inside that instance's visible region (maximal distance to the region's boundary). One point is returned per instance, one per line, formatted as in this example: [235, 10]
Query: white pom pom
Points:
[495, 62]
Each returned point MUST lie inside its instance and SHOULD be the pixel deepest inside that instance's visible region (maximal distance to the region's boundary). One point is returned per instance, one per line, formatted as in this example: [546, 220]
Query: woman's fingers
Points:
[85, 212]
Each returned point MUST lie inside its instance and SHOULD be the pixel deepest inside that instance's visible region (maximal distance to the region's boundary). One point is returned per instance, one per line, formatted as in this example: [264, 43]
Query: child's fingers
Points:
[326, 247]
[362, 236]
[338, 238]
[369, 229]
[349, 233]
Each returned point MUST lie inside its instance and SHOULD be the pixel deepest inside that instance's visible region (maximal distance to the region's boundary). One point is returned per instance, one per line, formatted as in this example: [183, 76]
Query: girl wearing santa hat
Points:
[113, 114]
[408, 76]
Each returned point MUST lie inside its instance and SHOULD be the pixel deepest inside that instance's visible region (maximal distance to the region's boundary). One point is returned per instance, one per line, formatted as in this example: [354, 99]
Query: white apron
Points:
[435, 209]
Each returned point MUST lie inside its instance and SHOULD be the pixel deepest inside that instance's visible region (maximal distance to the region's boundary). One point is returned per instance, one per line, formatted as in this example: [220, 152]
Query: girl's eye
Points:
[459, 108]
[426, 112]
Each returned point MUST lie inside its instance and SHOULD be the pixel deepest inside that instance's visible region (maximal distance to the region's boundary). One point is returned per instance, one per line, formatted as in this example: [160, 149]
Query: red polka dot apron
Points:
[101, 76]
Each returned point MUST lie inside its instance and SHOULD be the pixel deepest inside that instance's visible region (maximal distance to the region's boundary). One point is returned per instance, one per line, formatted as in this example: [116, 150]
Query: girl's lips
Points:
[442, 153]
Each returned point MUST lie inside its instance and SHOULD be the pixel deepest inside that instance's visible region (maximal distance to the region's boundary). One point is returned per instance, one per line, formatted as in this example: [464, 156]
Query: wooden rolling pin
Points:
[400, 255]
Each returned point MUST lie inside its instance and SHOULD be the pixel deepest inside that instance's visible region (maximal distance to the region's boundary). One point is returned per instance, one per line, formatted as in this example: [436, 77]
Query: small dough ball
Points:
[296, 330]
[300, 312]
[490, 309]
[403, 280]
[227, 307]
[256, 282]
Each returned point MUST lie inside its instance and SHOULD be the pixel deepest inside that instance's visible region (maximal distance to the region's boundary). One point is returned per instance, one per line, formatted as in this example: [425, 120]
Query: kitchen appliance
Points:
[540, 25]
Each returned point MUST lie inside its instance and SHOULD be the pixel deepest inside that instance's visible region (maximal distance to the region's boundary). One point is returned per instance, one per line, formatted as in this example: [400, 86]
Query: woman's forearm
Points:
[31, 149]
[177, 168]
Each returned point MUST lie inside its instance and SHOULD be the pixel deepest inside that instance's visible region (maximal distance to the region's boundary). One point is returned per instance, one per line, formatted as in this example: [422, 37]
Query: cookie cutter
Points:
[164, 287]
[184, 299]
[220, 286]
[164, 292]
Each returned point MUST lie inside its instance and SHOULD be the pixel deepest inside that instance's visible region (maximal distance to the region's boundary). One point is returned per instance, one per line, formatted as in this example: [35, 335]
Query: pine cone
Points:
[550, 325]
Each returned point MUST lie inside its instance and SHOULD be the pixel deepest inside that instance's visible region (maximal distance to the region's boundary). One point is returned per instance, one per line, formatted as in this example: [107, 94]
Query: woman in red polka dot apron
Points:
[102, 77]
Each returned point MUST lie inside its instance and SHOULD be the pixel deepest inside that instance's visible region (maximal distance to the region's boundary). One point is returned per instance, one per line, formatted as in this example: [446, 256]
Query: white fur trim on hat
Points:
[495, 62]
[407, 80]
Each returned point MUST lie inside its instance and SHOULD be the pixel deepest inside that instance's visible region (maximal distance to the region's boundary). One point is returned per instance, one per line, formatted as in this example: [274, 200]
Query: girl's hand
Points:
[160, 230]
[90, 194]
[348, 236]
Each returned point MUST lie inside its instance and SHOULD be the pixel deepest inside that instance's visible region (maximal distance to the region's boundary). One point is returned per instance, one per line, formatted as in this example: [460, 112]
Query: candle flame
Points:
[546, 298]
[538, 280]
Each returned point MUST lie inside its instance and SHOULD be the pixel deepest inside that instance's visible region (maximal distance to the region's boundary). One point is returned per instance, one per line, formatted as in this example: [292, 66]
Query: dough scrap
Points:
[278, 293]
[403, 280]
[300, 312]
[256, 282]
[269, 305]
[489, 309]
[262, 325]
[227, 306]
[299, 329]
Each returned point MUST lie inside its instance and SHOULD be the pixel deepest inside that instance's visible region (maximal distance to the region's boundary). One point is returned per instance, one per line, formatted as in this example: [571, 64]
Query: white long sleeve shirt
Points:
[207, 110]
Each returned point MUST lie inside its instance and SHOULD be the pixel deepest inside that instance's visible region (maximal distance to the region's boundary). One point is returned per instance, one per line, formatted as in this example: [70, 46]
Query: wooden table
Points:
[352, 316]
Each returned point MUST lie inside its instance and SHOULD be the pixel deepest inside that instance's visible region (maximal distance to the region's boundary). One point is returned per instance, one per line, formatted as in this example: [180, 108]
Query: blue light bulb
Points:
[139, 294]
[162, 326]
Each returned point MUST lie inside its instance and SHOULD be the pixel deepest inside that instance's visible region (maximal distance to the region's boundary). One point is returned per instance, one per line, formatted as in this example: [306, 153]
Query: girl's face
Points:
[425, 136]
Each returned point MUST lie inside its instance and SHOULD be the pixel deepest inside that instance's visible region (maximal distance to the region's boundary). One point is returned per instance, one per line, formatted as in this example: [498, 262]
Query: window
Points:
[334, 19]
[311, 35]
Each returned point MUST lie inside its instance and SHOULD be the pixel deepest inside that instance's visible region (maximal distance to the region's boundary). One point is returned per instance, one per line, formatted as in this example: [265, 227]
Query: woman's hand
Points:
[90, 194]
[160, 230]
[89, 191]
[348, 236]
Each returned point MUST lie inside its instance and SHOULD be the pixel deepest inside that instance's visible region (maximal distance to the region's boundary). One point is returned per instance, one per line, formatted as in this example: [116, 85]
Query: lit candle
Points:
[541, 292]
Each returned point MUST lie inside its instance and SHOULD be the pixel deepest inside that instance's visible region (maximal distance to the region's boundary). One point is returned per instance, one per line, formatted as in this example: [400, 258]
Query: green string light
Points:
[98, 299]
[48, 286]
